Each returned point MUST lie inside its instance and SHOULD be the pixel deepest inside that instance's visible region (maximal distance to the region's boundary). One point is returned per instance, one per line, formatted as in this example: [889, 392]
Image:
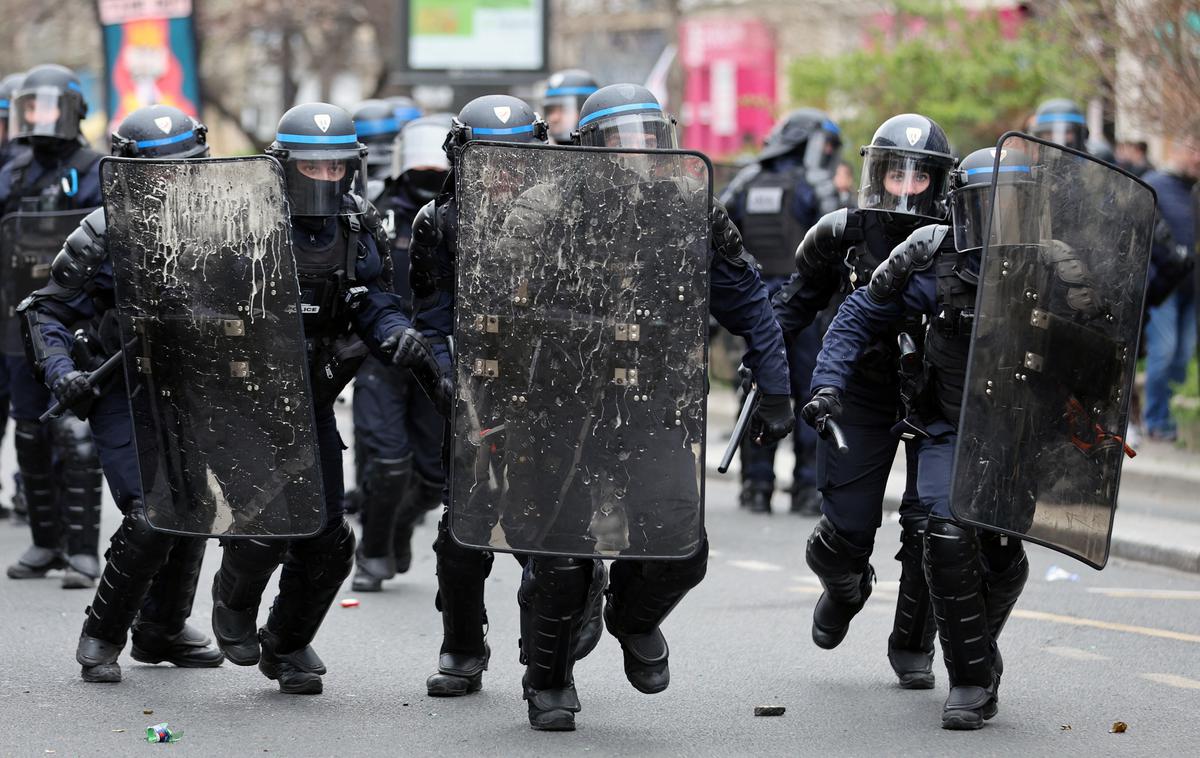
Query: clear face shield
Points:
[562, 115]
[1015, 221]
[44, 112]
[904, 182]
[822, 151]
[317, 181]
[1070, 131]
[636, 131]
[419, 160]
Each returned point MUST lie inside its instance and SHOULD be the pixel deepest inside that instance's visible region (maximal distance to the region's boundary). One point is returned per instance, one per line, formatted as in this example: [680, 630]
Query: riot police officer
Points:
[397, 430]
[773, 202]
[1061, 120]
[148, 575]
[337, 238]
[903, 186]
[565, 92]
[56, 174]
[377, 127]
[975, 576]
[8, 87]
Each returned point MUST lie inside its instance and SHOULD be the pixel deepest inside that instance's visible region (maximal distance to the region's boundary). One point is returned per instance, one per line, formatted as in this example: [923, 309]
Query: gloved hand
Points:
[409, 349]
[443, 399]
[76, 393]
[773, 419]
[826, 402]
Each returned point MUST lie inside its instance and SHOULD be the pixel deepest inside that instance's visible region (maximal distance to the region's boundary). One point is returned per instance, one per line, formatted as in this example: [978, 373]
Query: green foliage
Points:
[960, 70]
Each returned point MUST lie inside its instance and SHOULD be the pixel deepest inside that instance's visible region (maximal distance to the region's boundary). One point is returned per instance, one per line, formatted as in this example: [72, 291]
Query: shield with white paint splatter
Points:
[218, 376]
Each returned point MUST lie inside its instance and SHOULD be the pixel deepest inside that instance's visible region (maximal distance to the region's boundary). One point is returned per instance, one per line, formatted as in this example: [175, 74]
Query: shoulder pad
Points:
[726, 239]
[82, 254]
[425, 229]
[825, 244]
[739, 182]
[913, 254]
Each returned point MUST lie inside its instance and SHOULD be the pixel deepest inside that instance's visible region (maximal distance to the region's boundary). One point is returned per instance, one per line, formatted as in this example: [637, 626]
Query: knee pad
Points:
[556, 586]
[34, 451]
[136, 544]
[73, 439]
[831, 552]
[329, 557]
[951, 555]
[1001, 553]
[251, 557]
[386, 477]
[454, 559]
[912, 540]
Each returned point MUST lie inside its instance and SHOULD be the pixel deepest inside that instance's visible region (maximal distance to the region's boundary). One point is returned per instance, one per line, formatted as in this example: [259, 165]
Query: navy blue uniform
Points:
[774, 205]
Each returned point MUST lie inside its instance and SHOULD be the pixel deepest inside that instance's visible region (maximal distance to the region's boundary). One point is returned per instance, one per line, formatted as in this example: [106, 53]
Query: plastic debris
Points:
[1065, 727]
[118, 731]
[147, 711]
[769, 710]
[162, 733]
[1118, 727]
[350, 602]
[1058, 574]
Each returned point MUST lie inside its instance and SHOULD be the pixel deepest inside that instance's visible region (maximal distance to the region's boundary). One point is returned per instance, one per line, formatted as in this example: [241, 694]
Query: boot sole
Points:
[141, 656]
[78, 582]
[556, 724]
[236, 660]
[311, 687]
[965, 720]
[445, 688]
[25, 572]
[916, 681]
[100, 677]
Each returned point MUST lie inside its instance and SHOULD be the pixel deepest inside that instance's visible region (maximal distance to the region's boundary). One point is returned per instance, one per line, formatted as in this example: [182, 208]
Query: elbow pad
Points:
[825, 244]
[81, 255]
[913, 254]
[422, 251]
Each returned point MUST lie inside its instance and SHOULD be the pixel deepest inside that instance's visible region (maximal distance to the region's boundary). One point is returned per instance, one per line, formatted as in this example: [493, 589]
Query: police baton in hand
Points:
[749, 404]
[95, 378]
[829, 430]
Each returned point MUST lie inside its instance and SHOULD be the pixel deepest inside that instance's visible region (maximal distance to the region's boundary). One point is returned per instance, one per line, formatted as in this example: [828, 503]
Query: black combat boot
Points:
[954, 569]
[1005, 571]
[756, 496]
[553, 599]
[806, 501]
[847, 576]
[640, 596]
[238, 586]
[382, 492]
[422, 496]
[312, 575]
[464, 654]
[136, 553]
[910, 647]
[161, 632]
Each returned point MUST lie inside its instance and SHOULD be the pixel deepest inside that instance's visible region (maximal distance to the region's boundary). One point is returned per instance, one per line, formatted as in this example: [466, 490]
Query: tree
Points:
[977, 74]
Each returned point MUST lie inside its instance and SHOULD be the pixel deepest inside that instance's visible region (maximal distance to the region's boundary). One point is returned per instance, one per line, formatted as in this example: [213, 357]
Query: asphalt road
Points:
[1118, 645]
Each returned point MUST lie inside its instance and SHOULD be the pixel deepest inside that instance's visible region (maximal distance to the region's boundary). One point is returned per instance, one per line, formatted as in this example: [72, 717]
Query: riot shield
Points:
[28, 244]
[216, 367]
[1062, 284]
[580, 339]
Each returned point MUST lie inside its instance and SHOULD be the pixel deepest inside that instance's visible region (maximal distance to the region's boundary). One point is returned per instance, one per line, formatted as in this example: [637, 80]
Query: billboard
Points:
[149, 55]
[482, 35]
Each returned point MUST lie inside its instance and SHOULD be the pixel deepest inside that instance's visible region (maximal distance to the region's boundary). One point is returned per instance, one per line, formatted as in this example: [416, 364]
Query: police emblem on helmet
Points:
[322, 120]
[164, 123]
[503, 112]
[913, 134]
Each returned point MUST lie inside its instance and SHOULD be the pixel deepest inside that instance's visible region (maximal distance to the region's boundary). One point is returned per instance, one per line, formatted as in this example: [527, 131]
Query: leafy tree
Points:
[974, 73]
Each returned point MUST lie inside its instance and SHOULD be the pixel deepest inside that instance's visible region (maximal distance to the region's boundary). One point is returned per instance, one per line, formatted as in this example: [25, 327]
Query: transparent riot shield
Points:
[580, 351]
[1047, 398]
[215, 364]
[28, 244]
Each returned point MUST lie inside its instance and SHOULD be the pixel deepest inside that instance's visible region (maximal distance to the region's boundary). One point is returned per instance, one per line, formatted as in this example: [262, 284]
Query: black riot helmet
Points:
[1016, 218]
[376, 125]
[160, 131]
[905, 168]
[321, 156]
[625, 115]
[8, 88]
[808, 133]
[495, 118]
[404, 109]
[418, 162]
[1062, 121]
[565, 92]
[48, 104]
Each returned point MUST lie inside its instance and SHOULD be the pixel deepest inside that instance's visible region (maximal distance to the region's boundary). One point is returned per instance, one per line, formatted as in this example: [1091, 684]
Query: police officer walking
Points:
[773, 202]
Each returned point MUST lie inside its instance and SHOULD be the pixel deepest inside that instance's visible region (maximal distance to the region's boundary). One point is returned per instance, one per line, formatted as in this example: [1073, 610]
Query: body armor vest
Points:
[770, 231]
[54, 190]
[326, 273]
[948, 342]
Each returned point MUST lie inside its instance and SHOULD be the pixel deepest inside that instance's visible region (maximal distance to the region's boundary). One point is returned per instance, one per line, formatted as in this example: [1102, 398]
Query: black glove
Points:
[443, 399]
[409, 349]
[773, 419]
[826, 402]
[76, 393]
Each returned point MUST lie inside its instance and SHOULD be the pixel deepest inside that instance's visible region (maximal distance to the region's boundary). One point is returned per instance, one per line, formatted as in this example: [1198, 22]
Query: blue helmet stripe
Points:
[829, 126]
[1055, 118]
[166, 140]
[620, 109]
[407, 113]
[561, 91]
[371, 127]
[74, 86]
[4, 104]
[1003, 170]
[318, 139]
[511, 130]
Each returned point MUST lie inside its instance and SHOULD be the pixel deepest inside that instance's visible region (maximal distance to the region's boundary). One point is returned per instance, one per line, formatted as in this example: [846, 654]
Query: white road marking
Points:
[1074, 653]
[1132, 592]
[1173, 680]
[756, 565]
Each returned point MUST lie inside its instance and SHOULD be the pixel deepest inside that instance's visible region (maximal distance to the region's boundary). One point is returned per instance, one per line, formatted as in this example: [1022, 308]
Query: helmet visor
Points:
[317, 186]
[420, 146]
[1069, 133]
[636, 131]
[906, 182]
[823, 150]
[45, 112]
[1015, 221]
[562, 115]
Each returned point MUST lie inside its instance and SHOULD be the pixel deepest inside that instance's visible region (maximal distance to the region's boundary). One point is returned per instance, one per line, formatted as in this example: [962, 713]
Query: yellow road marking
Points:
[1077, 621]
[1173, 680]
[1146, 594]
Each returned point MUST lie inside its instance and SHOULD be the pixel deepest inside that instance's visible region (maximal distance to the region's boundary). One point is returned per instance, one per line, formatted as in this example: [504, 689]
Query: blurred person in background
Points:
[1134, 157]
[565, 92]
